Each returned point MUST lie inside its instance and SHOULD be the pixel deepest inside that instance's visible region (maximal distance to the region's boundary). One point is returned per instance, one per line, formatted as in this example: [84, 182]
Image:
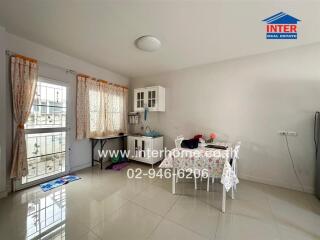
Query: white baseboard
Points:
[79, 167]
[307, 189]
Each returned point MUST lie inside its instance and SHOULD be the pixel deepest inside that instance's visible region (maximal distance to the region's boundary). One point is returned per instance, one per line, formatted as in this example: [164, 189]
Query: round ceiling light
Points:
[148, 43]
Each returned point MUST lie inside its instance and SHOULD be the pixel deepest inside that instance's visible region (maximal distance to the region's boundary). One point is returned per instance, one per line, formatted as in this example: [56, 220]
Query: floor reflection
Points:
[46, 216]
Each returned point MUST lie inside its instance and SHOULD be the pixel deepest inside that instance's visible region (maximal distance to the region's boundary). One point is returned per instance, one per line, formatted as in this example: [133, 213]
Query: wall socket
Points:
[287, 133]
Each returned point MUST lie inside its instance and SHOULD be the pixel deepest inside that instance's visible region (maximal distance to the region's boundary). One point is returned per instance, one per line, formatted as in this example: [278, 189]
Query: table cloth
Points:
[216, 162]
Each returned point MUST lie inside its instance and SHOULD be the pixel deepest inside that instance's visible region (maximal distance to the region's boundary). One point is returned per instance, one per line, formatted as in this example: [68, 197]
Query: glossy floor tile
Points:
[108, 205]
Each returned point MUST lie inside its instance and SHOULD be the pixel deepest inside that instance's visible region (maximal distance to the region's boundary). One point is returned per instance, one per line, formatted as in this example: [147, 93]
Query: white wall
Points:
[49, 63]
[249, 99]
[2, 115]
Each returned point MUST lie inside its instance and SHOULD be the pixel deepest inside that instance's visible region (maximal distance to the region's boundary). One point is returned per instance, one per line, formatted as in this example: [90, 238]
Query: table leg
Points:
[101, 151]
[124, 147]
[223, 199]
[92, 152]
[173, 180]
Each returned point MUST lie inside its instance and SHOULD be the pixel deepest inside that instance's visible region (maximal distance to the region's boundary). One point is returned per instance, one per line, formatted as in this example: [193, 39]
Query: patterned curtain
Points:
[101, 108]
[116, 110]
[24, 77]
[83, 85]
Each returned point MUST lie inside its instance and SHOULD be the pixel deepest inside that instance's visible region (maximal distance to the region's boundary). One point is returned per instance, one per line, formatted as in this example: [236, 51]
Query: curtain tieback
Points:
[21, 126]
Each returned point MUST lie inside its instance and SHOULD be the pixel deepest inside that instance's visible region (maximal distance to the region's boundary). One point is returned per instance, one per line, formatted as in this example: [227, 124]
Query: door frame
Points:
[17, 184]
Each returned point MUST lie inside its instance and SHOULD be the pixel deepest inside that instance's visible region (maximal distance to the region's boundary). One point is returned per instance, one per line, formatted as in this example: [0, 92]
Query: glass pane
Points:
[153, 103]
[153, 94]
[49, 107]
[142, 95]
[149, 103]
[45, 155]
[138, 103]
[138, 96]
[46, 151]
[149, 94]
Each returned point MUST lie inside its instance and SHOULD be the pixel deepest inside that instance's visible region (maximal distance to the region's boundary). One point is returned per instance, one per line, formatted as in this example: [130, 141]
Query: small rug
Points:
[58, 182]
[119, 166]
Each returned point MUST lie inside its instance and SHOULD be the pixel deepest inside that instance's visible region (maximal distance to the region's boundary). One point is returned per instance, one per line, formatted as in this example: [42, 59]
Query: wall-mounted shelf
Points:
[134, 118]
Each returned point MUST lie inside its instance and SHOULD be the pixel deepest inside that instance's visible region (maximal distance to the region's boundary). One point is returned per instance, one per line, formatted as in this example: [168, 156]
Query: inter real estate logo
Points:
[281, 26]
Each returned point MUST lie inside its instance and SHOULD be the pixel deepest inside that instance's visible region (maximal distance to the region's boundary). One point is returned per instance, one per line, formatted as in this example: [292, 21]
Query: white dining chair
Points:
[234, 164]
[177, 143]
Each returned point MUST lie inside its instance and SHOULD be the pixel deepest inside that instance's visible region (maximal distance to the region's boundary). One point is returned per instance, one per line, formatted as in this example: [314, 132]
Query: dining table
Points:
[216, 162]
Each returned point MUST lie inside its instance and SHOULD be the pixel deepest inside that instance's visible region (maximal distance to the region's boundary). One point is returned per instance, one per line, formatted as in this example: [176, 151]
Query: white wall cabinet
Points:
[151, 97]
[141, 147]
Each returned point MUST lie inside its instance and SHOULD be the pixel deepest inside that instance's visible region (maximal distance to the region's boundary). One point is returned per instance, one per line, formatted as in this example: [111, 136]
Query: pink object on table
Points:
[213, 136]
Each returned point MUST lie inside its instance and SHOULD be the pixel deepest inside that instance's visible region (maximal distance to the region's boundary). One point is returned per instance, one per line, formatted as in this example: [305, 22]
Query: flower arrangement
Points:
[213, 136]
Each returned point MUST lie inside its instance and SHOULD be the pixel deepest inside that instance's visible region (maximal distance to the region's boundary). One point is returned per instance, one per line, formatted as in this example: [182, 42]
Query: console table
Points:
[103, 141]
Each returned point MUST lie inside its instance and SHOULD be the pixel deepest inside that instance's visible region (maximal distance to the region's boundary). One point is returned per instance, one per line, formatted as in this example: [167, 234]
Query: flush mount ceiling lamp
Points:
[148, 43]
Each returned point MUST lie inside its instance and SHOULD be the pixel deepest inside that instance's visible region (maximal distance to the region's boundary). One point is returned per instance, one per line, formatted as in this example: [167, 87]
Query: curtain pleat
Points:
[24, 77]
[101, 108]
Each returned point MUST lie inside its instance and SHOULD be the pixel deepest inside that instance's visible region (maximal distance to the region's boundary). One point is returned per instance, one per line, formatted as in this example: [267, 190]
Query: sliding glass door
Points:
[47, 134]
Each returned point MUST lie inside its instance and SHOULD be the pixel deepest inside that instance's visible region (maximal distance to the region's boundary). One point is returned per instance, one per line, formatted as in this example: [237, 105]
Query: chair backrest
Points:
[235, 156]
[236, 150]
[178, 141]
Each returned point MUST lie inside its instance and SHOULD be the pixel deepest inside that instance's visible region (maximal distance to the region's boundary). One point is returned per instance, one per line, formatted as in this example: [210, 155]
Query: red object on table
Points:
[197, 137]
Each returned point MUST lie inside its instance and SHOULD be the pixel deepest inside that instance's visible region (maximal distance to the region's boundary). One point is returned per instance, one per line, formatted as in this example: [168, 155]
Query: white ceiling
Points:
[192, 32]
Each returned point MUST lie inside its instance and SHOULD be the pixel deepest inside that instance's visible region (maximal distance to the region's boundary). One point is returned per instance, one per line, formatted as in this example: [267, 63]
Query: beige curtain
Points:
[24, 76]
[116, 110]
[82, 107]
[101, 108]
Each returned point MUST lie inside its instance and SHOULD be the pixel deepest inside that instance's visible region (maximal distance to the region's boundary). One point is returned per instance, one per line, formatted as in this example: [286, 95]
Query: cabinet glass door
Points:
[140, 99]
[152, 98]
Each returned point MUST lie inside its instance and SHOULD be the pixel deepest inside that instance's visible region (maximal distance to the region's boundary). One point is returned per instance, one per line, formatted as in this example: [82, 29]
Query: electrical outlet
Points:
[292, 133]
[287, 133]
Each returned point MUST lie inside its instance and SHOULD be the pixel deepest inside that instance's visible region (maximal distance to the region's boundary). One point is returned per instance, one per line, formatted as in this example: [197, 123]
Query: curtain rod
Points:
[101, 80]
[68, 71]
[10, 53]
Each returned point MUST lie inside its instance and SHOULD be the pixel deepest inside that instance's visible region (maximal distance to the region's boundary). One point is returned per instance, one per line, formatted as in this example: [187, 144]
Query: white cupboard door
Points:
[139, 99]
[131, 147]
[152, 95]
[137, 147]
[148, 148]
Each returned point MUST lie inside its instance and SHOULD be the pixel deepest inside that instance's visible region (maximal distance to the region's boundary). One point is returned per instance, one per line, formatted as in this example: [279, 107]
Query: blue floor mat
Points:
[58, 182]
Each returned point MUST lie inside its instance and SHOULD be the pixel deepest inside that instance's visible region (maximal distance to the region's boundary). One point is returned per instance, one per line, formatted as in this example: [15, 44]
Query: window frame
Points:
[18, 185]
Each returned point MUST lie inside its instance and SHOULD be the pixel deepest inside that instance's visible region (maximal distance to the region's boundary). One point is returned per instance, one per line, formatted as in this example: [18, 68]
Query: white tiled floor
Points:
[108, 205]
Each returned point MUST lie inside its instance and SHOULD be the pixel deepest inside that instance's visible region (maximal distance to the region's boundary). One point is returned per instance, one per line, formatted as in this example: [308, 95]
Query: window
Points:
[101, 108]
[49, 107]
[46, 132]
[106, 111]
[115, 111]
[94, 109]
